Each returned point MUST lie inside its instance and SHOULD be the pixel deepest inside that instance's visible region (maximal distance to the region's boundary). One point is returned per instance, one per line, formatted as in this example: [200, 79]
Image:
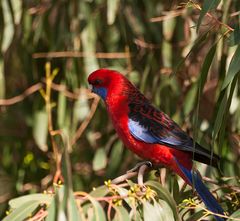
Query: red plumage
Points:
[150, 133]
[119, 89]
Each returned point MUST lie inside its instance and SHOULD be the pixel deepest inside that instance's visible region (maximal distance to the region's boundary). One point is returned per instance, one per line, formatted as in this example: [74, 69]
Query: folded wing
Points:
[148, 124]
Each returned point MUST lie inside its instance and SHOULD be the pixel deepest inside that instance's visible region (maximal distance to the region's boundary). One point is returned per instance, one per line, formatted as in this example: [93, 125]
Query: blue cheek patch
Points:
[101, 91]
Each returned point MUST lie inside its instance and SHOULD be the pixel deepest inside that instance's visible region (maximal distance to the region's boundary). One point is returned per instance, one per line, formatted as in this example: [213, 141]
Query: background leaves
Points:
[184, 56]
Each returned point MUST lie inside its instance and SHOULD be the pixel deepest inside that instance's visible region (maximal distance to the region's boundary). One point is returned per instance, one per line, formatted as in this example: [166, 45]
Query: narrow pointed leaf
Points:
[234, 68]
[207, 6]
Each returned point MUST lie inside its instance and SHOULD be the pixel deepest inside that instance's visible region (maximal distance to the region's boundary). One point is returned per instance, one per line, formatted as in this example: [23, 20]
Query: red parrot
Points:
[150, 133]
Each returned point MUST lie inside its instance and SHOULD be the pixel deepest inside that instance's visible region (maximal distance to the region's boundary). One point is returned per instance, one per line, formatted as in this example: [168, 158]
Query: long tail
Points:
[203, 192]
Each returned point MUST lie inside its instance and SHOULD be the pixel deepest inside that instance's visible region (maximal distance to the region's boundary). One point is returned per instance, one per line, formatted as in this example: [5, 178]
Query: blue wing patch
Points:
[140, 132]
[144, 134]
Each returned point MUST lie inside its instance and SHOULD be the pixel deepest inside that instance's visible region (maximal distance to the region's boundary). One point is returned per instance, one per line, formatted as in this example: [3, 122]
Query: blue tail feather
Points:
[209, 200]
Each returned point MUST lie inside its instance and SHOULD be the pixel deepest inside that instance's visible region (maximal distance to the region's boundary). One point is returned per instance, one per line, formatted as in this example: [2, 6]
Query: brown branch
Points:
[21, 97]
[63, 88]
[84, 124]
[169, 15]
[77, 54]
[5, 197]
[70, 94]
[40, 215]
[197, 6]
[144, 44]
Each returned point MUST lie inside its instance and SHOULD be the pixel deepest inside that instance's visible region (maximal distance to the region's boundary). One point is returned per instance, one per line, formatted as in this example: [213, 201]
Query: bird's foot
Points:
[138, 170]
[141, 168]
[140, 164]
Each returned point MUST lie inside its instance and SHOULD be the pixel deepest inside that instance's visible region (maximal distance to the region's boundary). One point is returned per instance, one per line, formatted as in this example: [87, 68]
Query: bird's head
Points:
[104, 82]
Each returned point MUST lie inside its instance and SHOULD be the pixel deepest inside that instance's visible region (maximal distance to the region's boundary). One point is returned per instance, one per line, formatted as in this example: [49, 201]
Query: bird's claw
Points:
[140, 164]
[140, 168]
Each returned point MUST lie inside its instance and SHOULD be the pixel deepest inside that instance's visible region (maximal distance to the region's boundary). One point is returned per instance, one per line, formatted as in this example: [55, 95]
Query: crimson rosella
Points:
[150, 133]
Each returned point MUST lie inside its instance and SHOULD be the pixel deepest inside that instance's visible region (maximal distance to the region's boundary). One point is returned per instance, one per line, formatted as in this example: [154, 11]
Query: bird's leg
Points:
[138, 170]
[138, 165]
[141, 168]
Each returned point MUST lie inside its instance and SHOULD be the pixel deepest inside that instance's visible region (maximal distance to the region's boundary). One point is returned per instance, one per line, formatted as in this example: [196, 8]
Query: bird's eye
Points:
[97, 82]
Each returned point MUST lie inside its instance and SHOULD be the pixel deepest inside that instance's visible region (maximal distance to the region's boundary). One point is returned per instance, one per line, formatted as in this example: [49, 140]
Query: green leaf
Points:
[196, 45]
[159, 211]
[81, 108]
[236, 214]
[190, 99]
[234, 68]
[165, 195]
[100, 191]
[227, 108]
[52, 211]
[121, 214]
[114, 161]
[234, 38]
[40, 129]
[73, 212]
[89, 46]
[61, 109]
[40, 197]
[196, 216]
[207, 6]
[100, 159]
[219, 117]
[150, 213]
[206, 66]
[8, 26]
[22, 212]
[112, 7]
[2, 81]
[99, 214]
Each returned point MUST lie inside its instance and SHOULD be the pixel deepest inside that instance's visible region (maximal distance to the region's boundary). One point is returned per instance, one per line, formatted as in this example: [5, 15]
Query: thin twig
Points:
[84, 124]
[77, 54]
[21, 97]
[40, 215]
[144, 44]
[50, 75]
[169, 15]
[197, 6]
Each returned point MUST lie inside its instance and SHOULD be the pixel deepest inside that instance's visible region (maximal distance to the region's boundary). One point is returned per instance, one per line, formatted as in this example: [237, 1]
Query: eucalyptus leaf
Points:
[100, 159]
[2, 81]
[52, 211]
[8, 31]
[61, 109]
[100, 191]
[40, 197]
[99, 214]
[23, 211]
[164, 194]
[40, 129]
[159, 211]
[121, 214]
[112, 7]
[207, 6]
[73, 212]
[234, 38]
[234, 68]
[236, 214]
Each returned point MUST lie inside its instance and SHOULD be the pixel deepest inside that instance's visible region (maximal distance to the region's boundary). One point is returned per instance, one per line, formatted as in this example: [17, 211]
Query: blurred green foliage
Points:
[183, 55]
